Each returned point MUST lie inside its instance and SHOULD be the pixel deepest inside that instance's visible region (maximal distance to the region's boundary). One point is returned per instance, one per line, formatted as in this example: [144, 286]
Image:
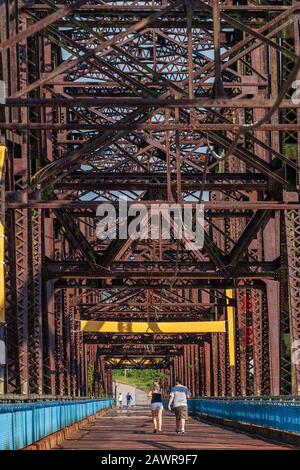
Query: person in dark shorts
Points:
[178, 396]
[156, 406]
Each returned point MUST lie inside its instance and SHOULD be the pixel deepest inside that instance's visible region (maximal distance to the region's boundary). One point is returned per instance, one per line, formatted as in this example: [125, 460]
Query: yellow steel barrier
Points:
[230, 323]
[153, 327]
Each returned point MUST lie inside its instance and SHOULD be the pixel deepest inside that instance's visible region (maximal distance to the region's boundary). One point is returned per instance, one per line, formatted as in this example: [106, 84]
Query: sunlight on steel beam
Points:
[153, 327]
[230, 322]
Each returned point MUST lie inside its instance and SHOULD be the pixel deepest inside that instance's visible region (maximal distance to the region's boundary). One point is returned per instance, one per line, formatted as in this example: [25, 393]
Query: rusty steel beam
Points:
[181, 275]
[211, 205]
[133, 102]
[83, 126]
[138, 340]
[64, 10]
[133, 10]
[258, 221]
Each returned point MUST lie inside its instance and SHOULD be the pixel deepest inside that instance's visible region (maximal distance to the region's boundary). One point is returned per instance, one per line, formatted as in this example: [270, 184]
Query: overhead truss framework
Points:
[148, 101]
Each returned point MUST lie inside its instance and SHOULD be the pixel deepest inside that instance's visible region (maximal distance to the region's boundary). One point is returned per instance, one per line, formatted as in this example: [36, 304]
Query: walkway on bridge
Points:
[132, 430]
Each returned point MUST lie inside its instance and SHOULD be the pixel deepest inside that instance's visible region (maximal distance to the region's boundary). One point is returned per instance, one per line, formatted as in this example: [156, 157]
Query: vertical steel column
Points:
[292, 220]
[59, 342]
[35, 312]
[197, 370]
[189, 11]
[2, 272]
[242, 341]
[13, 376]
[271, 249]
[218, 84]
[215, 363]
[2, 234]
[196, 365]
[67, 341]
[208, 371]
[249, 342]
[256, 303]
[49, 315]
[202, 369]
[222, 363]
[266, 379]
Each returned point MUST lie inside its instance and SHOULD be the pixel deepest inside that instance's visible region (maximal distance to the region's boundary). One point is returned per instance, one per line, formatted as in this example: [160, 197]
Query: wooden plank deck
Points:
[132, 430]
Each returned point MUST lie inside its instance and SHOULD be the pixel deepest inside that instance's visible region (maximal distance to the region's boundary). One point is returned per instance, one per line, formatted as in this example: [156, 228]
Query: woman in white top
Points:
[120, 400]
[156, 406]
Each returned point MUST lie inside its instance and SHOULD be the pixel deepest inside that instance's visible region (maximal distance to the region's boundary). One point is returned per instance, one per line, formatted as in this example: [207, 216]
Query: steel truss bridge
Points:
[174, 101]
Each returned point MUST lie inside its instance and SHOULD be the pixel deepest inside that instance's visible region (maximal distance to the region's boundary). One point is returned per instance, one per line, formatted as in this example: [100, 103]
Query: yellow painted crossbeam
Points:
[230, 323]
[153, 327]
[2, 235]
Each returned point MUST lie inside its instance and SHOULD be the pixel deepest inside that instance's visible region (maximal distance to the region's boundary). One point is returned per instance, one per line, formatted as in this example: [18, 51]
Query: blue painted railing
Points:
[22, 425]
[283, 416]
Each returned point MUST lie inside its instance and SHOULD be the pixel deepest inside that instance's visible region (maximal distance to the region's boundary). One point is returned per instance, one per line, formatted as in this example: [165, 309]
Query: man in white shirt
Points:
[179, 395]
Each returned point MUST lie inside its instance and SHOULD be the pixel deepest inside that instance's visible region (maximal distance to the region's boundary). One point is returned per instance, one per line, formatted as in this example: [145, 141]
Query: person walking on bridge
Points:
[129, 399]
[120, 400]
[178, 396]
[155, 395]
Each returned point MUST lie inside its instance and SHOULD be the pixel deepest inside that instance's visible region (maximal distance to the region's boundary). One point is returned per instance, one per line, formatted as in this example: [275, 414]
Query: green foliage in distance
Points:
[141, 379]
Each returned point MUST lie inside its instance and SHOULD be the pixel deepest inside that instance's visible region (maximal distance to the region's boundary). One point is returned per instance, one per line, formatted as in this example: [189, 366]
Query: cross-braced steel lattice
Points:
[187, 101]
